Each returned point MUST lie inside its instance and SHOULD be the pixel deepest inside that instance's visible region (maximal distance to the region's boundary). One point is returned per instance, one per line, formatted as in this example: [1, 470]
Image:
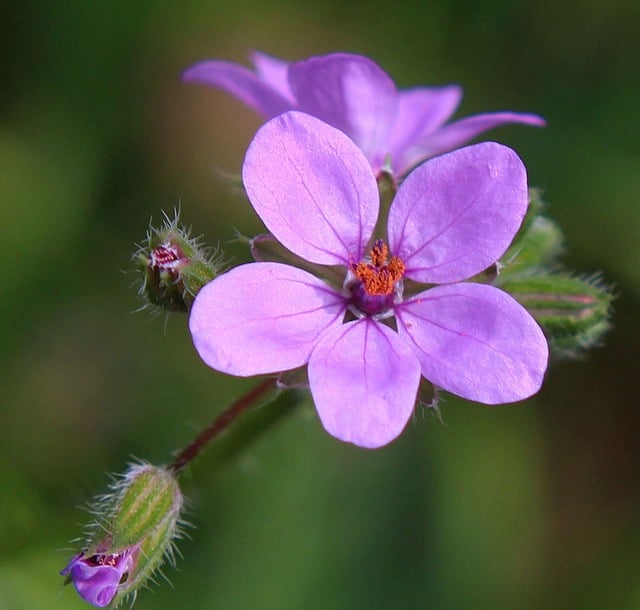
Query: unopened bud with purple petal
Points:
[174, 266]
[133, 534]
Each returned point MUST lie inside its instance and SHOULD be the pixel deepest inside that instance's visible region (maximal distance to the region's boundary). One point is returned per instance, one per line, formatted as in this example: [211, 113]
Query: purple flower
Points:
[396, 129]
[366, 343]
[96, 577]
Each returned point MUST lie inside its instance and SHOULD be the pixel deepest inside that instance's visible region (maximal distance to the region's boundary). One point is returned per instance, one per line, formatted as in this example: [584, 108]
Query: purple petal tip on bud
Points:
[97, 577]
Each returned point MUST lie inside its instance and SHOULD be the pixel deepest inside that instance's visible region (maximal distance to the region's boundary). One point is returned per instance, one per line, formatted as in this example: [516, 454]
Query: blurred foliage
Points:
[527, 506]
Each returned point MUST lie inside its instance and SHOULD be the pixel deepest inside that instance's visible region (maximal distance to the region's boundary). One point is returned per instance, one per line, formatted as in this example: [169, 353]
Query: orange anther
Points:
[379, 277]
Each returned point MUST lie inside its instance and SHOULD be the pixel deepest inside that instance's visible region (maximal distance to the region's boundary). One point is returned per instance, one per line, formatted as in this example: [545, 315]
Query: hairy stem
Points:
[220, 423]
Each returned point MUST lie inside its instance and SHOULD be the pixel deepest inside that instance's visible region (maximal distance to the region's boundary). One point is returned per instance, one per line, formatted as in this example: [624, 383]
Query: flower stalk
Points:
[220, 423]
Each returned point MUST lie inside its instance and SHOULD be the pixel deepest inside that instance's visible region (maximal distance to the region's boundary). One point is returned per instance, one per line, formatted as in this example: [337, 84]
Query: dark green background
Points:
[526, 506]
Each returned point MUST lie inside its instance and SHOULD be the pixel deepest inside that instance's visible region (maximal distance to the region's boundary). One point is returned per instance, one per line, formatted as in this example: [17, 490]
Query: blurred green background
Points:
[530, 506]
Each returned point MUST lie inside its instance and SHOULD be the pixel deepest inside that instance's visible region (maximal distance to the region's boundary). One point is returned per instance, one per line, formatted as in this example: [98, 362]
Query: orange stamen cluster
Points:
[379, 277]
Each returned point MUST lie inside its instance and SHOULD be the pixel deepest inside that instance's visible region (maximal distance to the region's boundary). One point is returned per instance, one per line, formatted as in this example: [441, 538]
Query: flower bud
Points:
[174, 266]
[134, 532]
[574, 312]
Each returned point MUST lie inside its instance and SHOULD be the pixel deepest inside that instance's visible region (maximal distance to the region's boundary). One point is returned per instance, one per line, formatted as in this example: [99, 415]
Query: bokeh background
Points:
[529, 506]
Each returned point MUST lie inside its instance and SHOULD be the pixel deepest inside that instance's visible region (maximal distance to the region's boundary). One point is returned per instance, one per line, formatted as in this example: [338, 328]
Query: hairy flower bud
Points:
[174, 266]
[133, 533]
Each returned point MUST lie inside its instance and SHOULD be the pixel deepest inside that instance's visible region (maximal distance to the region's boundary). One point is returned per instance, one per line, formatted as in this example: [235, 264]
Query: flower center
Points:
[376, 281]
[379, 277]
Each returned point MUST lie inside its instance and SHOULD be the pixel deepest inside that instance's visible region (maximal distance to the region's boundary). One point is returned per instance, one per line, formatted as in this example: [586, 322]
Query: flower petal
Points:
[350, 92]
[262, 318]
[475, 341]
[312, 187]
[455, 215]
[97, 585]
[240, 82]
[274, 72]
[460, 132]
[420, 112]
[364, 381]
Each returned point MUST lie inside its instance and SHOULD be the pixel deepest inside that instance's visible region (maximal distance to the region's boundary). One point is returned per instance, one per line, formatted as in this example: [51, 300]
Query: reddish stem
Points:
[220, 423]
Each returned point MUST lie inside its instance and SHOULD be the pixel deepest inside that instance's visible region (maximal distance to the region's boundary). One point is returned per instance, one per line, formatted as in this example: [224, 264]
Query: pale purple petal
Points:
[96, 584]
[274, 72]
[455, 215]
[363, 380]
[262, 318]
[420, 112]
[350, 92]
[240, 82]
[475, 341]
[313, 188]
[460, 132]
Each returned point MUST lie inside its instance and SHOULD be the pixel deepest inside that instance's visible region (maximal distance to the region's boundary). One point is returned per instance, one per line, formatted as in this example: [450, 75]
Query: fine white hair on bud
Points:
[133, 533]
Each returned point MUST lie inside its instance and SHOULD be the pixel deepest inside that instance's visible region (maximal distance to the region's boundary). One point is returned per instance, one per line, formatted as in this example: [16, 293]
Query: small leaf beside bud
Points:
[133, 534]
[174, 266]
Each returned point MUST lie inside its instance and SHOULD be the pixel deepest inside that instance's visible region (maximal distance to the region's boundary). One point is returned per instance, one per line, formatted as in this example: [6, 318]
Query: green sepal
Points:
[150, 501]
[152, 505]
[387, 188]
[574, 312]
